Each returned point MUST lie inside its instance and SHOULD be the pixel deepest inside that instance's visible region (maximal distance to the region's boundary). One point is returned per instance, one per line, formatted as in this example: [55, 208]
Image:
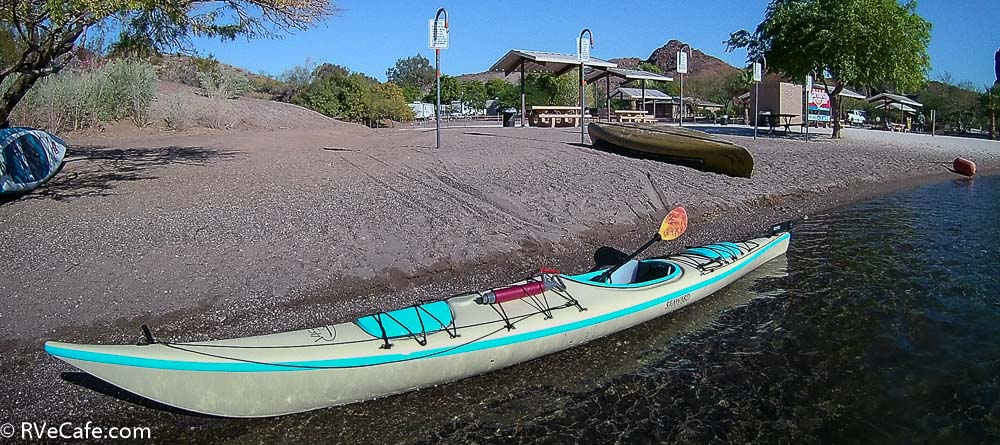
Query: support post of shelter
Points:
[607, 92]
[643, 83]
[523, 108]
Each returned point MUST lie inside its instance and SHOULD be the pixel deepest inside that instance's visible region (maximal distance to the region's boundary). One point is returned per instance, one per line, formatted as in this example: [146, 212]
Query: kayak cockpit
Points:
[634, 273]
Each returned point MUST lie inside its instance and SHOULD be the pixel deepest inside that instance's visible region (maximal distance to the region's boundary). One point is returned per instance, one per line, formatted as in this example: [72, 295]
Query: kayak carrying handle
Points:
[782, 227]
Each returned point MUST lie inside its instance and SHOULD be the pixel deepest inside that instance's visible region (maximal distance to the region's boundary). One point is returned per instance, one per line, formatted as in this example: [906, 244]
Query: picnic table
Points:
[634, 116]
[897, 127]
[550, 115]
[777, 119]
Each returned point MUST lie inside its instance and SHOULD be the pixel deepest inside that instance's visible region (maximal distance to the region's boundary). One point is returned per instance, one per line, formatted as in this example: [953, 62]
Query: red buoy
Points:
[964, 166]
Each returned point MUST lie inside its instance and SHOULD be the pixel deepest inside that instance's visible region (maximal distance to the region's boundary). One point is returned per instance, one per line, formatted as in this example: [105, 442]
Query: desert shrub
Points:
[223, 83]
[205, 64]
[272, 89]
[177, 114]
[133, 86]
[73, 100]
[337, 92]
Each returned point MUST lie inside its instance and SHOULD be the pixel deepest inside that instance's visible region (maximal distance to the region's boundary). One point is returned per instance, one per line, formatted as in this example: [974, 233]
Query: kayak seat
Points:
[633, 274]
[653, 270]
[625, 274]
[413, 321]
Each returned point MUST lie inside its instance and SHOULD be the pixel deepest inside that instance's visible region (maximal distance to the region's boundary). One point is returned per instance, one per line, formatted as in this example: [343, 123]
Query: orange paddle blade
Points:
[674, 224]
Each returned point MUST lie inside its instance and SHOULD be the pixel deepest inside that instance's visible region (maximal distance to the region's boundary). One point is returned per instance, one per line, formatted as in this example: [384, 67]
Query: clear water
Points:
[885, 329]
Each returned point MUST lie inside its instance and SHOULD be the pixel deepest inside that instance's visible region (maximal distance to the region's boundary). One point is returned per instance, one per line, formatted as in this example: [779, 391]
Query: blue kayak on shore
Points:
[28, 158]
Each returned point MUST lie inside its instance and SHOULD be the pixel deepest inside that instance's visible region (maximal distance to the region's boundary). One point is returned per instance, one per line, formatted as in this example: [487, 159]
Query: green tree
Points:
[548, 89]
[856, 42]
[8, 46]
[730, 86]
[337, 92]
[475, 94]
[414, 74]
[655, 84]
[390, 103]
[46, 31]
[451, 90]
[989, 102]
[506, 95]
[955, 104]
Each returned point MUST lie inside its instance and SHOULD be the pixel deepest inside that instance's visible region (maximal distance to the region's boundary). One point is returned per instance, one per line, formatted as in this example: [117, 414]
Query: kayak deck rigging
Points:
[410, 322]
[708, 258]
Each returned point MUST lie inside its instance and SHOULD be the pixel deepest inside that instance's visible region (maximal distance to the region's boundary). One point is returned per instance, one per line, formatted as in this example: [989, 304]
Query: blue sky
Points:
[369, 36]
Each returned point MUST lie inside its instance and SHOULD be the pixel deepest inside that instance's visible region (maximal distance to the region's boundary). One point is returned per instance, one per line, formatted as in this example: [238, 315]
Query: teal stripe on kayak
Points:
[241, 366]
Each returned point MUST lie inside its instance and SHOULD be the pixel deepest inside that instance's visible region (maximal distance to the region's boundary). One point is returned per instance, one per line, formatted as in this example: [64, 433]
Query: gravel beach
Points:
[249, 232]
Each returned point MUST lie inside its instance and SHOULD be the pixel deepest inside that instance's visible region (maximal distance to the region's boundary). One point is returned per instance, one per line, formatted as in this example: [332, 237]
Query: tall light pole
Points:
[583, 57]
[759, 71]
[682, 61]
[437, 44]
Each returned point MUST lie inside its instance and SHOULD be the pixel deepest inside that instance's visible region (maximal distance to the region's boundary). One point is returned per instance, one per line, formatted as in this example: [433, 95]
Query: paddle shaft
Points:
[604, 276]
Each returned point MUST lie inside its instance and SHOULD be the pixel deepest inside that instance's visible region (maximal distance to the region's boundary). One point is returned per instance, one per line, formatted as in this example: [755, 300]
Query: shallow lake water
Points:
[882, 325]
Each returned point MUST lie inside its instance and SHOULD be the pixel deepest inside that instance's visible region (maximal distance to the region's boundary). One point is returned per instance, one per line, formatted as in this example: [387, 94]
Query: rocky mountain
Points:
[487, 75]
[626, 62]
[699, 63]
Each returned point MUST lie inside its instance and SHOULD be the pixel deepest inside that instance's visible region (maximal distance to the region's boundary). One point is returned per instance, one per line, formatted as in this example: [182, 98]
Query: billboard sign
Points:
[819, 105]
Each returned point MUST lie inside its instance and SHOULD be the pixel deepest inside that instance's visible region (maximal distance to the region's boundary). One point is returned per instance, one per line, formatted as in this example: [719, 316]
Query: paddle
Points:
[672, 227]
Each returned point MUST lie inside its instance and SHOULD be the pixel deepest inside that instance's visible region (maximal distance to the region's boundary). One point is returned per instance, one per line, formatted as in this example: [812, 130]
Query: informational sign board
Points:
[583, 49]
[819, 105]
[682, 62]
[809, 83]
[438, 40]
[756, 72]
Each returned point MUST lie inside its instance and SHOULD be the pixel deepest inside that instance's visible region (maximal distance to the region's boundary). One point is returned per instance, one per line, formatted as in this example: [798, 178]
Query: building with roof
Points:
[517, 60]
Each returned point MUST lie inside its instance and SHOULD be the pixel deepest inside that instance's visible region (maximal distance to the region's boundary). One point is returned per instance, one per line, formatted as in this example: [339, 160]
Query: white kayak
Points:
[415, 347]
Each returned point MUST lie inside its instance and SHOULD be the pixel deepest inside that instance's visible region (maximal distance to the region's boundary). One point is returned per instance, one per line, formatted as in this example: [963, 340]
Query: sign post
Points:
[437, 36]
[583, 55]
[758, 74]
[682, 69]
[809, 88]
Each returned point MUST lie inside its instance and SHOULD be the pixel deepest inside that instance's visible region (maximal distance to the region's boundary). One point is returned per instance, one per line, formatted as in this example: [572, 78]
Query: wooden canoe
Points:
[675, 145]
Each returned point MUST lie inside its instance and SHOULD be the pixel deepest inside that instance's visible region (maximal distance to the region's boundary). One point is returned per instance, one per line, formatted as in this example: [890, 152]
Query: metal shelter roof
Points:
[696, 102]
[627, 74]
[896, 106]
[541, 61]
[636, 93]
[849, 93]
[889, 97]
